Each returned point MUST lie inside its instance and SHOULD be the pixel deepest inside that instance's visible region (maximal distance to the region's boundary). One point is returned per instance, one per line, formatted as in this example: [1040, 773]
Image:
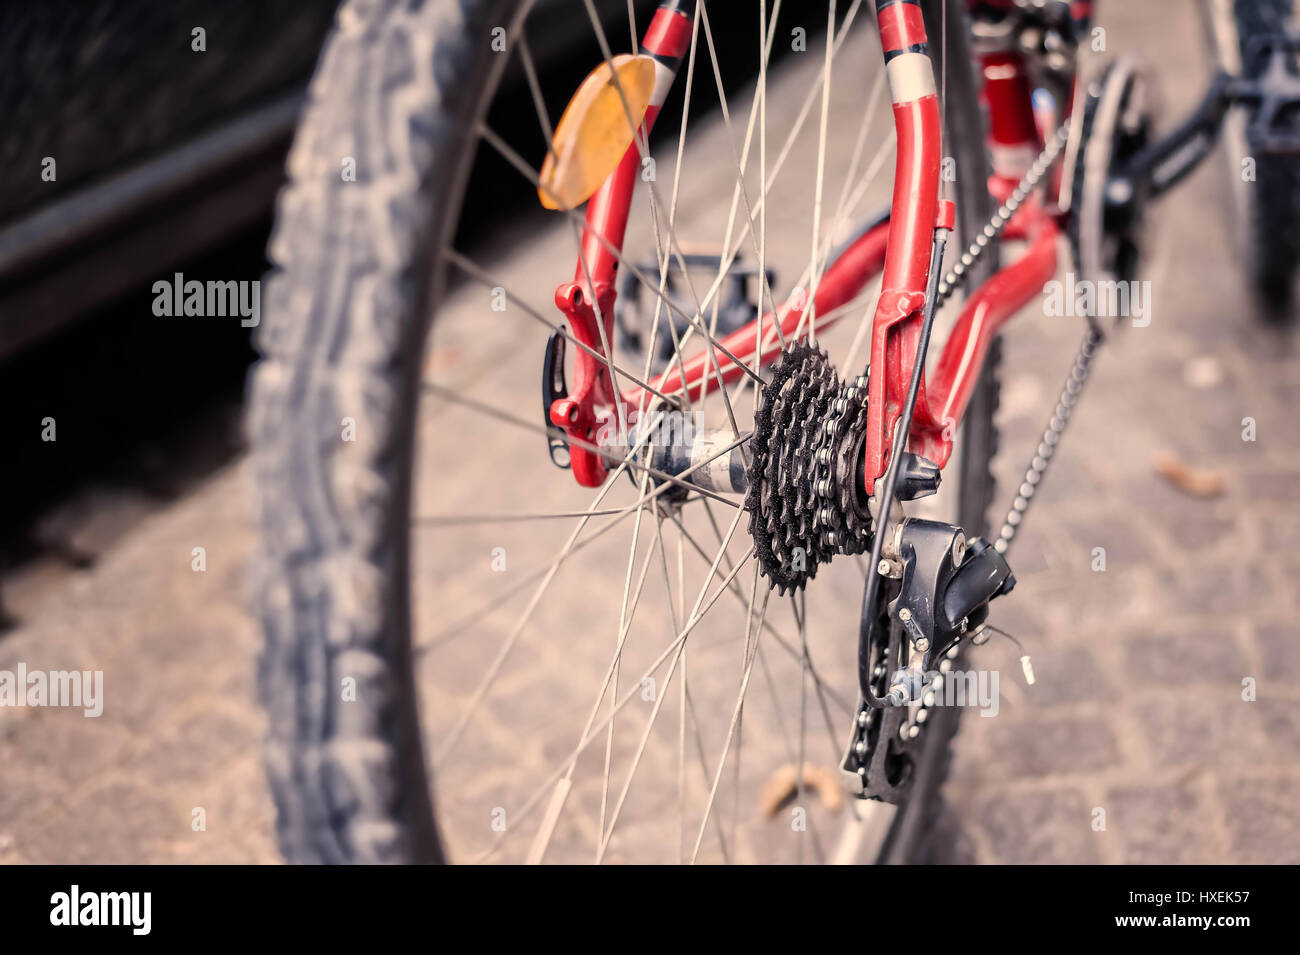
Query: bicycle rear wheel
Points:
[433, 590]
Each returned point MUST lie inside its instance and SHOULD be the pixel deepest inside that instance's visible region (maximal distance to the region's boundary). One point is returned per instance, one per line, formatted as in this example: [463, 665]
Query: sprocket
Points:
[842, 516]
[1106, 209]
[803, 507]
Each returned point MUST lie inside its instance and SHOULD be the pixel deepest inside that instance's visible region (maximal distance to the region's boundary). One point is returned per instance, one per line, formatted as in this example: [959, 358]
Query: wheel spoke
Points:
[784, 643]
[729, 751]
[455, 520]
[559, 435]
[661, 696]
[464, 624]
[453, 736]
[542, 840]
[566, 765]
[624, 624]
[528, 173]
[783, 154]
[482, 277]
[731, 731]
[740, 193]
[485, 683]
[817, 193]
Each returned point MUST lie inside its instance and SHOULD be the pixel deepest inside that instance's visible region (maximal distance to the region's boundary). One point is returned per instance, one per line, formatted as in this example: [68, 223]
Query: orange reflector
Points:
[594, 133]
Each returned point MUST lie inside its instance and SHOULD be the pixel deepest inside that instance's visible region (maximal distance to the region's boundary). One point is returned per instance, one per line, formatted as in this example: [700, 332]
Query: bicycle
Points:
[815, 492]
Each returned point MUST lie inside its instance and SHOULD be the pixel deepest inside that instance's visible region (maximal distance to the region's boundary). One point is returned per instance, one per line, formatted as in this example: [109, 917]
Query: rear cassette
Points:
[803, 504]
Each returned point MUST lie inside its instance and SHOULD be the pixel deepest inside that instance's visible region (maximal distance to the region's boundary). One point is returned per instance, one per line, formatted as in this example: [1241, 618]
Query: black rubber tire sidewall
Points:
[1273, 201]
[399, 88]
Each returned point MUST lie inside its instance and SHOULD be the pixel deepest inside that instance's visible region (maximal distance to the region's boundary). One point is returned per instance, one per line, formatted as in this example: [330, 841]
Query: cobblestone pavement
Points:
[1137, 710]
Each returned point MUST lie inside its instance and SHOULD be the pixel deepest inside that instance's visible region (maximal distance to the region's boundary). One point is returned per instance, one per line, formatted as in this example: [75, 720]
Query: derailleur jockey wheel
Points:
[806, 497]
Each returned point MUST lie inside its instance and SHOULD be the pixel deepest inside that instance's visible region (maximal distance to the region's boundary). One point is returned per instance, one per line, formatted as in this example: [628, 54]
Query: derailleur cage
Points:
[939, 594]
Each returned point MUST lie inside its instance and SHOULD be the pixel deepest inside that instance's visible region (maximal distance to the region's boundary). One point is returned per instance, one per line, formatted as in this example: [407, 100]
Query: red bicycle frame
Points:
[900, 247]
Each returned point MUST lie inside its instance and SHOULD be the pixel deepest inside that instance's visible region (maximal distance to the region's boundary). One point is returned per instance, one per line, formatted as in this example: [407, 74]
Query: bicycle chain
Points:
[1042, 458]
[959, 274]
[1093, 336]
[910, 729]
[1079, 371]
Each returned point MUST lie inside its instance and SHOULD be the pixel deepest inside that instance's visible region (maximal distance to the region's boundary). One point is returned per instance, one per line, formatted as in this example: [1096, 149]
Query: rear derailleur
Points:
[936, 595]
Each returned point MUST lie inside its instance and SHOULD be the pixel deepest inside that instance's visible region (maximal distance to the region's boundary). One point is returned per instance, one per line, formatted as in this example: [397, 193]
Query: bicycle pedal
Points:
[1270, 90]
[734, 308]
